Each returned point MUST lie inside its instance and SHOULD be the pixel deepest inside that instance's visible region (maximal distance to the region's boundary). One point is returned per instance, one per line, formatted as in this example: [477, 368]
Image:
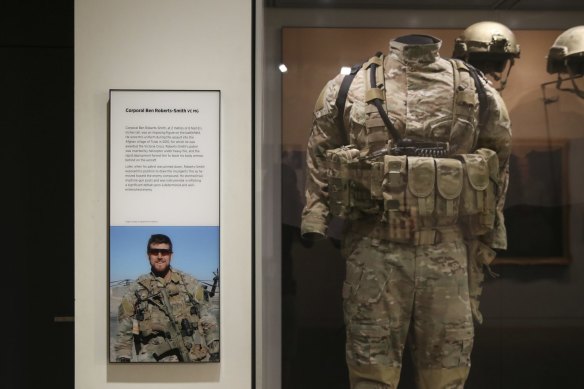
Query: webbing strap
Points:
[479, 87]
[378, 103]
[456, 79]
[474, 73]
[342, 98]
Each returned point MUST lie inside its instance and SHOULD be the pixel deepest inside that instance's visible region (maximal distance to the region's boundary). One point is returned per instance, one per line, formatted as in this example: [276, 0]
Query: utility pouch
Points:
[394, 183]
[396, 215]
[479, 255]
[449, 181]
[479, 198]
[421, 189]
[360, 196]
[338, 161]
[377, 180]
[199, 349]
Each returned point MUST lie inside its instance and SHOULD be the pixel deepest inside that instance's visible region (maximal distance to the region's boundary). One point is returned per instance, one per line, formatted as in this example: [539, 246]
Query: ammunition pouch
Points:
[442, 192]
[338, 161]
[199, 350]
[349, 183]
[415, 193]
[479, 195]
[397, 221]
[449, 179]
[420, 195]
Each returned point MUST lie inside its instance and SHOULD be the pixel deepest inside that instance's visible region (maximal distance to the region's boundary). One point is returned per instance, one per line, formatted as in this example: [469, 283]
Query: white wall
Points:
[172, 44]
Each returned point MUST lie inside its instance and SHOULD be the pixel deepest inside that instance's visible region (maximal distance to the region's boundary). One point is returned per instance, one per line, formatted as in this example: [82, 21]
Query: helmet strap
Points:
[503, 79]
[573, 77]
[576, 90]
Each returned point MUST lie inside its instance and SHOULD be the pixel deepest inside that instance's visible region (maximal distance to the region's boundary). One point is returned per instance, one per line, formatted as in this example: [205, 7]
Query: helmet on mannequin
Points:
[566, 56]
[488, 46]
[567, 53]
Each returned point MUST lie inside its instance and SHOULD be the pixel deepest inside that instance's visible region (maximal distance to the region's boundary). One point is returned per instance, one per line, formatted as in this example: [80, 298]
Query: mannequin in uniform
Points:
[414, 241]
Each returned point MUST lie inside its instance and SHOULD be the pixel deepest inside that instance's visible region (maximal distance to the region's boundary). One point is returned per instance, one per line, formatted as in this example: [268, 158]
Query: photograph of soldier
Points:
[412, 151]
[166, 315]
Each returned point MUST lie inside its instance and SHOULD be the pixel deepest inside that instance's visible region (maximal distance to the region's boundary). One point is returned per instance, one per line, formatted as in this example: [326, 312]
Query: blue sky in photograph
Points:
[196, 250]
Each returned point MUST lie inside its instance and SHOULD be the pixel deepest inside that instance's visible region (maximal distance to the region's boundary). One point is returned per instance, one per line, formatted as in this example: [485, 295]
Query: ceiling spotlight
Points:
[283, 68]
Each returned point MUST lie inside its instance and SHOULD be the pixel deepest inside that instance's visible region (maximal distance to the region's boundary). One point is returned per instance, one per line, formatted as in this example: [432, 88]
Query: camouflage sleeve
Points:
[207, 319]
[208, 322]
[495, 134]
[124, 340]
[324, 135]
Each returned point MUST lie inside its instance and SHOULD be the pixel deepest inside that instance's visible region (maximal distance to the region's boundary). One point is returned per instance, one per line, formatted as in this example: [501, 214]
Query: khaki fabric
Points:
[396, 294]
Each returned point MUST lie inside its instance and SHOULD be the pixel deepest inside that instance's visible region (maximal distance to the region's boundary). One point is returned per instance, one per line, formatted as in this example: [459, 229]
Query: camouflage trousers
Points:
[396, 294]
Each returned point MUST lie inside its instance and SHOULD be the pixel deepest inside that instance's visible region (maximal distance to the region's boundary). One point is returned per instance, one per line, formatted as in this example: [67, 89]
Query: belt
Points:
[426, 236]
[437, 235]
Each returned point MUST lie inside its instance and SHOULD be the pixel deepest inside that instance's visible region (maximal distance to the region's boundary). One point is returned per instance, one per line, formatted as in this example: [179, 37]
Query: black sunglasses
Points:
[159, 251]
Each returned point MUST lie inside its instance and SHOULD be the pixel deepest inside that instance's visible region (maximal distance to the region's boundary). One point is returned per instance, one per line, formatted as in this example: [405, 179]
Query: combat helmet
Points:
[488, 46]
[567, 53]
[566, 56]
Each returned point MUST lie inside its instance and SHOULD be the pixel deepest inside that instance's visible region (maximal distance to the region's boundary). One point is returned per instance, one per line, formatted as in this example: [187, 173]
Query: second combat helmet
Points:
[566, 56]
[567, 53]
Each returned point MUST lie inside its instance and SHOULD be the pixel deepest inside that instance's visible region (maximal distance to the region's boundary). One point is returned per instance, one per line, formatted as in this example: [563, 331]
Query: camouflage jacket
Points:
[420, 102]
[145, 314]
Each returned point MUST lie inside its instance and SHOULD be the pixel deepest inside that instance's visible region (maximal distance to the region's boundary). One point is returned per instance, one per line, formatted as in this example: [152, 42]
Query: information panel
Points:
[164, 226]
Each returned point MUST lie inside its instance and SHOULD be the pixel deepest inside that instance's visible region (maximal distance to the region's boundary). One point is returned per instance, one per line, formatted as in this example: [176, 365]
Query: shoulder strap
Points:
[476, 75]
[193, 299]
[374, 94]
[145, 283]
[480, 88]
[342, 98]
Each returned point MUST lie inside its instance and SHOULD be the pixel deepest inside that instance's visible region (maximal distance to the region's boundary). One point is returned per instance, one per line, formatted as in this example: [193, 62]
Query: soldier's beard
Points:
[160, 269]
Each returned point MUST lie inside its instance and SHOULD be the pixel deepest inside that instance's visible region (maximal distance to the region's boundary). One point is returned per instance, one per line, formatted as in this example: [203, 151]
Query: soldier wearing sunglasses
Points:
[164, 316]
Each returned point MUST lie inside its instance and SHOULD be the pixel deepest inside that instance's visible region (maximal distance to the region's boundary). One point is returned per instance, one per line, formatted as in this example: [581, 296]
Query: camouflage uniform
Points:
[143, 321]
[423, 290]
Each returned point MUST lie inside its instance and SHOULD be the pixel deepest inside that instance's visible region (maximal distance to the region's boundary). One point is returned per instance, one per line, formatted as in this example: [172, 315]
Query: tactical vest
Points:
[431, 192]
[170, 312]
